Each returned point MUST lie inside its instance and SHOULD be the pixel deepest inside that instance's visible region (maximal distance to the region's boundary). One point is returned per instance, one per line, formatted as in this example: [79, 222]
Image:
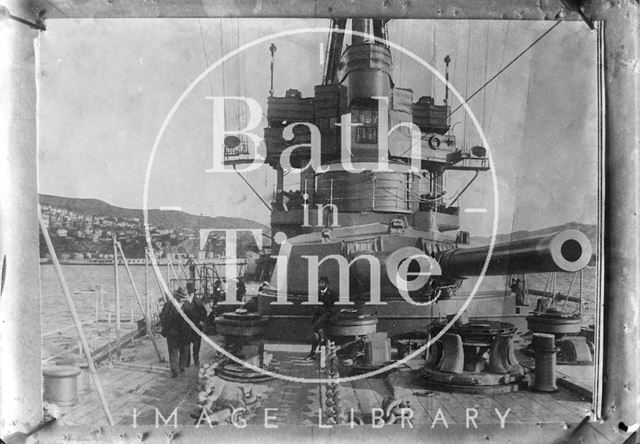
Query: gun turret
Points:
[340, 257]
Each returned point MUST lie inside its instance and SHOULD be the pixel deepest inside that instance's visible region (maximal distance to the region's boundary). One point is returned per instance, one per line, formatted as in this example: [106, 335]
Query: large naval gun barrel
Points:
[565, 251]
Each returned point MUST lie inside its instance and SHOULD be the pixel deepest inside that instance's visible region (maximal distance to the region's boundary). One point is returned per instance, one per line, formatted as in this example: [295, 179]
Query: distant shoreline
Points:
[138, 261]
[72, 262]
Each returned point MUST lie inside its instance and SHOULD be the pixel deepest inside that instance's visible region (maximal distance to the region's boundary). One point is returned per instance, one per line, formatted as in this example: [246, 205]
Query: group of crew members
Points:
[182, 337]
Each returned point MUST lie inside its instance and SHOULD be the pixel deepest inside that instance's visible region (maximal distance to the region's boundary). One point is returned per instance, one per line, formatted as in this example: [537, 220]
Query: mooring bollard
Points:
[545, 372]
[61, 385]
[83, 379]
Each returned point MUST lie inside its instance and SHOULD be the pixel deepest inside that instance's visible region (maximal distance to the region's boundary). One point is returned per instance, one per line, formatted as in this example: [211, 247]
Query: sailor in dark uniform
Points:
[197, 313]
[323, 315]
[177, 332]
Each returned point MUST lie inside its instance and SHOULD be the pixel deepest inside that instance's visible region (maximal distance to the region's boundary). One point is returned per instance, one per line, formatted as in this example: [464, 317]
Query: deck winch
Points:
[474, 357]
[369, 350]
[566, 328]
[243, 333]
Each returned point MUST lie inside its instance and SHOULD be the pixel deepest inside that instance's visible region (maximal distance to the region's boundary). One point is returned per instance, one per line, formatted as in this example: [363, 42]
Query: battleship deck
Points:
[140, 382]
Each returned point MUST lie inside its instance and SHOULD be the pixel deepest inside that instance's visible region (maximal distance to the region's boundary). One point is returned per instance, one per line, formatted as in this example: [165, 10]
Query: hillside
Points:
[160, 218]
[84, 229]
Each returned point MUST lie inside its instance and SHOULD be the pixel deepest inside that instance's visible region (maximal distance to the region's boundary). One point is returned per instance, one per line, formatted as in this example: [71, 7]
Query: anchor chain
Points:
[394, 410]
[334, 411]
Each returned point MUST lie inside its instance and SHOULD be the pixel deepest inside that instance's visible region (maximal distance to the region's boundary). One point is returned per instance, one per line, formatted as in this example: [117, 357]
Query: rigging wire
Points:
[401, 32]
[206, 58]
[455, 59]
[544, 34]
[495, 90]
[224, 88]
[466, 84]
[519, 177]
[222, 52]
[432, 91]
[238, 72]
[253, 189]
[484, 77]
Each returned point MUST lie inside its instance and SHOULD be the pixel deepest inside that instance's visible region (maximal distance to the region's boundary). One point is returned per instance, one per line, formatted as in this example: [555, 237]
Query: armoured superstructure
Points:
[376, 190]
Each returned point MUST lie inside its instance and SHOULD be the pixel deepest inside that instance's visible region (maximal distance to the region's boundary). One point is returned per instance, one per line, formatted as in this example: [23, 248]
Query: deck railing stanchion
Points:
[146, 289]
[164, 297]
[117, 295]
[137, 295]
[580, 304]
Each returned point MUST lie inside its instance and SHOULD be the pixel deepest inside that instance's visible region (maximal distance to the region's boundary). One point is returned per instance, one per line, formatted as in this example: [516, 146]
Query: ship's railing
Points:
[115, 322]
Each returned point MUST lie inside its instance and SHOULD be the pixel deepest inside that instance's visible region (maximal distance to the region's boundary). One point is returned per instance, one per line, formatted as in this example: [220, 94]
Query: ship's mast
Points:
[358, 106]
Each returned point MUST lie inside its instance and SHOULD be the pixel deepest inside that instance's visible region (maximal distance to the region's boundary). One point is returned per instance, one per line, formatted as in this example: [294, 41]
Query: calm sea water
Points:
[88, 283]
[92, 289]
[563, 285]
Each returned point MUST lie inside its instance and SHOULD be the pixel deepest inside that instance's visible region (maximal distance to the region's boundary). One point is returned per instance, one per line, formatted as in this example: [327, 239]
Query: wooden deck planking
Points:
[355, 398]
[286, 413]
[297, 403]
[473, 402]
[155, 395]
[521, 412]
[406, 385]
[145, 399]
[146, 387]
[401, 391]
[166, 395]
[270, 399]
[367, 400]
[542, 412]
[350, 398]
[568, 410]
[521, 409]
[572, 401]
[379, 389]
[454, 412]
[561, 414]
[421, 412]
[109, 380]
[300, 401]
[491, 404]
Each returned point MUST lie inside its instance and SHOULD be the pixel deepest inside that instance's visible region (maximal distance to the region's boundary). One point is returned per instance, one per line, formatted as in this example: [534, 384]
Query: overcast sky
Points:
[107, 85]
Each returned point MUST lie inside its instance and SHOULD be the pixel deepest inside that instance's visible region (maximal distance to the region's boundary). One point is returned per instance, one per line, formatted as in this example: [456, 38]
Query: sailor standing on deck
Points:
[177, 332]
[323, 315]
[197, 313]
